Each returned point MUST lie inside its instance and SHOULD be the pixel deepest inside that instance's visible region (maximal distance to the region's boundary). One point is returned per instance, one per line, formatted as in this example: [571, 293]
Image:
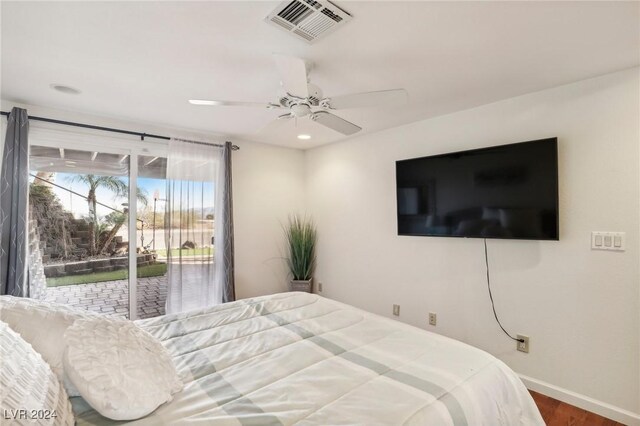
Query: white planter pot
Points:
[300, 285]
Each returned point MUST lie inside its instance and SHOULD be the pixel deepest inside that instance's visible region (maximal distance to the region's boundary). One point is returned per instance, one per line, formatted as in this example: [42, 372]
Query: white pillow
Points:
[27, 383]
[120, 370]
[42, 324]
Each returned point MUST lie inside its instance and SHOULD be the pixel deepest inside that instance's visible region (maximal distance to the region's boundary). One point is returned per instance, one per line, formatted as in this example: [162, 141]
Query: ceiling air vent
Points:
[308, 20]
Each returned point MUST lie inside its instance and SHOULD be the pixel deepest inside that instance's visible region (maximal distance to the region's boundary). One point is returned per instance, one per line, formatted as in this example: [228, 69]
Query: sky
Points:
[79, 207]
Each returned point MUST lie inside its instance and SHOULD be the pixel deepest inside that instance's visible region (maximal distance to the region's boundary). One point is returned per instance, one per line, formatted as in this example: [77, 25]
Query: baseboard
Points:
[602, 408]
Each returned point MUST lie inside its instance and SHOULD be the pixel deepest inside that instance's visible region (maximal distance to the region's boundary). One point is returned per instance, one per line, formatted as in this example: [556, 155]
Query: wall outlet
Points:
[320, 287]
[523, 346]
[433, 318]
[396, 310]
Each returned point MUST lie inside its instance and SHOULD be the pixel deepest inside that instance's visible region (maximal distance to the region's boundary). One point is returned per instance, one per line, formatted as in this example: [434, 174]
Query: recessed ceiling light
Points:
[304, 137]
[65, 89]
[202, 102]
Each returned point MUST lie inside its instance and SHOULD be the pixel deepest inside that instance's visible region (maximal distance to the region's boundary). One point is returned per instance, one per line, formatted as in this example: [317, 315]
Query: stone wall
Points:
[37, 278]
[90, 266]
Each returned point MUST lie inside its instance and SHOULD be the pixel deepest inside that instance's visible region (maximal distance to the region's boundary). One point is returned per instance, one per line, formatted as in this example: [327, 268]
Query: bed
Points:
[298, 358]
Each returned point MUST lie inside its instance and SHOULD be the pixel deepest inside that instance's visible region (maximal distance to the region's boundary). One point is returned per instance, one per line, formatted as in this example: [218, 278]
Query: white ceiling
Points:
[142, 61]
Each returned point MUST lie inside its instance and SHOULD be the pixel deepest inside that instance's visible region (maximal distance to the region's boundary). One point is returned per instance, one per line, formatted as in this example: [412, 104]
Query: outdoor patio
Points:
[112, 297]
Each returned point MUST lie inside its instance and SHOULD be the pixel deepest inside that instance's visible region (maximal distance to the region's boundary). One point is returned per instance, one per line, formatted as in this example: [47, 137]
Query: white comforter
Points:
[297, 358]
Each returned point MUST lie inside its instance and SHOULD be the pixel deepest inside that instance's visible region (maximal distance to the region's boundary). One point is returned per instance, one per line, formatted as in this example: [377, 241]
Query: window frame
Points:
[125, 145]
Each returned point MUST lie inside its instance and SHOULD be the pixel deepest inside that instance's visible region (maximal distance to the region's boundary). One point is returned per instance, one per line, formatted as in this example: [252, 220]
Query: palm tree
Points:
[141, 196]
[112, 183]
[117, 218]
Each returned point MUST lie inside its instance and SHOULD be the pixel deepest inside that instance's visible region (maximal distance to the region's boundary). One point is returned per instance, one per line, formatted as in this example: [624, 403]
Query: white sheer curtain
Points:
[195, 202]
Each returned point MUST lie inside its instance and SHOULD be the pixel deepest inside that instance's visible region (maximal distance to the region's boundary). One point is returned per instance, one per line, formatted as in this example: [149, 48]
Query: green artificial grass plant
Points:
[301, 241]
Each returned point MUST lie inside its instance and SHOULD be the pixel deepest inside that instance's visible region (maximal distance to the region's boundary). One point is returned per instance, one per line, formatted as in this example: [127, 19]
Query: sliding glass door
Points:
[150, 227]
[86, 248]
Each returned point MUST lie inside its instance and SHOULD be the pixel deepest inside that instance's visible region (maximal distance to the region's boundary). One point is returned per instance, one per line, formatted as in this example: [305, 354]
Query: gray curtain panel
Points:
[14, 190]
[229, 289]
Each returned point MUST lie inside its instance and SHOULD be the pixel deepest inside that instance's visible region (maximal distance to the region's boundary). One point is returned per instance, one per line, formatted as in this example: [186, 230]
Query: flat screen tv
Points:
[507, 191]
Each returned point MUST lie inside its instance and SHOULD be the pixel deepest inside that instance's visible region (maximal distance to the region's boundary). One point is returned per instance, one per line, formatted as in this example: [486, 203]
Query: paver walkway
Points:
[112, 297]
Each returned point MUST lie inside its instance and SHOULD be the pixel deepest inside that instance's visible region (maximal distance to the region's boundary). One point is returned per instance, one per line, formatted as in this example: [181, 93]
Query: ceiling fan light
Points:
[304, 137]
[300, 110]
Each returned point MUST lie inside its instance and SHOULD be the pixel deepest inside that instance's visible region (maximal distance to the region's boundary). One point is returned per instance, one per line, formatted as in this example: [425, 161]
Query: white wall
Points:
[268, 185]
[579, 307]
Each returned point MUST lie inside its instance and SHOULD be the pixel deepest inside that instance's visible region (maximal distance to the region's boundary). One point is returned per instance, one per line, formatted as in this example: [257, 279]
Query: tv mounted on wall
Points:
[507, 191]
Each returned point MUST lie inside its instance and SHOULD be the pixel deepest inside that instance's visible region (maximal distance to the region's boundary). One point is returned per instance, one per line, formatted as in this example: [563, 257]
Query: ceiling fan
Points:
[303, 99]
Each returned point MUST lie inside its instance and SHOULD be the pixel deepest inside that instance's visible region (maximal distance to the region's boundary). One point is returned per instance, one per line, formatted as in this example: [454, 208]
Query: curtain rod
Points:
[113, 130]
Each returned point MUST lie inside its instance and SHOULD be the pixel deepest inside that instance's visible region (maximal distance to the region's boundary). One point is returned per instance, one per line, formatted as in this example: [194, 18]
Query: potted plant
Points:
[301, 252]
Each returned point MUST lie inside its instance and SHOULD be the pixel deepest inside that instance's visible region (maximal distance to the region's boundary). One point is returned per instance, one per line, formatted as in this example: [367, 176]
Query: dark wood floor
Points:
[556, 413]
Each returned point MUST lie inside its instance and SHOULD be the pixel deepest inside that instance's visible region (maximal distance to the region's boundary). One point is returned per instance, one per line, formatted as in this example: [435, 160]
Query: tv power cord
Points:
[493, 306]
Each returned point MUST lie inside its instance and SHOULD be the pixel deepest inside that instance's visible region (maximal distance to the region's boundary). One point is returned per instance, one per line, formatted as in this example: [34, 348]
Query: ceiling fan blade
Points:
[334, 122]
[293, 72]
[203, 102]
[369, 99]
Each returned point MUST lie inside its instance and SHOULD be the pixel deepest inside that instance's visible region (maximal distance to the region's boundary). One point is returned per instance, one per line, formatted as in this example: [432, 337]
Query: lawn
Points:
[187, 252]
[155, 270]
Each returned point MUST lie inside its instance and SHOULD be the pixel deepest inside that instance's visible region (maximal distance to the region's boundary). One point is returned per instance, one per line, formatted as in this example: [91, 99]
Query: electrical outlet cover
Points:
[433, 318]
[522, 346]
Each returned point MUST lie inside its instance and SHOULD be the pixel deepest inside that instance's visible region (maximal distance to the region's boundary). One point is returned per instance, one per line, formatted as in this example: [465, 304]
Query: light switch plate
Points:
[612, 241]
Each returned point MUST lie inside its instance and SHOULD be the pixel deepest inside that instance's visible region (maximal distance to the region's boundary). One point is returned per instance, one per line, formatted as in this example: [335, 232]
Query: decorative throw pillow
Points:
[30, 392]
[43, 324]
[119, 369]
